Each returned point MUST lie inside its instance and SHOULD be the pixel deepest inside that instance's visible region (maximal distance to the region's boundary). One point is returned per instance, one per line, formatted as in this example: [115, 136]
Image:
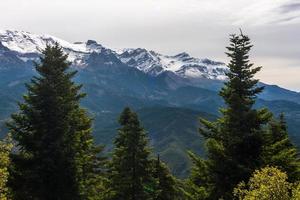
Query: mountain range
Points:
[169, 92]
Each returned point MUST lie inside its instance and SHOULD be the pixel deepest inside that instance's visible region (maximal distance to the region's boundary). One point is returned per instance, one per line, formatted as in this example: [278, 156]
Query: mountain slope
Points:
[174, 131]
[20, 48]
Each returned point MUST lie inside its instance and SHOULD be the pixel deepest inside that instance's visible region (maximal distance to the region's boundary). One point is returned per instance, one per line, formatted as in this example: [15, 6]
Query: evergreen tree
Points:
[131, 173]
[234, 142]
[5, 149]
[56, 157]
[166, 183]
[279, 150]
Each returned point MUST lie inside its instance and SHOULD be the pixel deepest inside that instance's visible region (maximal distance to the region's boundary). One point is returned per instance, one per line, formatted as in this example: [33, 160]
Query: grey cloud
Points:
[290, 7]
[285, 19]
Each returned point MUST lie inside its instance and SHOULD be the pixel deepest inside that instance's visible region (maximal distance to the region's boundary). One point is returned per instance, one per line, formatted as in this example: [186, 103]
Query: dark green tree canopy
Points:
[131, 177]
[56, 151]
[234, 142]
[166, 184]
[279, 151]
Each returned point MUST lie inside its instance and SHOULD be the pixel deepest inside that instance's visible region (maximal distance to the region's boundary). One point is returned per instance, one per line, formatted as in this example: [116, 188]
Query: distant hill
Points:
[174, 131]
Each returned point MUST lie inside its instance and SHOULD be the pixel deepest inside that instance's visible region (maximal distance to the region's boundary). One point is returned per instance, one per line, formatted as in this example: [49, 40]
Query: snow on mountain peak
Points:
[181, 64]
[28, 46]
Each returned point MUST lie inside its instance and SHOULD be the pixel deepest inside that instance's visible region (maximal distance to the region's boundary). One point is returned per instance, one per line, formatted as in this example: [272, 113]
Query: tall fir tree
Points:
[166, 184]
[279, 151]
[130, 168]
[234, 142]
[56, 157]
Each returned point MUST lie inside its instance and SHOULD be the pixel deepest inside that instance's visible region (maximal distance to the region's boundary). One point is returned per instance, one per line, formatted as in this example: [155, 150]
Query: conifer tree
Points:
[166, 183]
[130, 171]
[56, 157]
[234, 142]
[279, 150]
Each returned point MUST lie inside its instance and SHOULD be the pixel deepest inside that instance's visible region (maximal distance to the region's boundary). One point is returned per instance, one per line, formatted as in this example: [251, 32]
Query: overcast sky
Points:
[199, 27]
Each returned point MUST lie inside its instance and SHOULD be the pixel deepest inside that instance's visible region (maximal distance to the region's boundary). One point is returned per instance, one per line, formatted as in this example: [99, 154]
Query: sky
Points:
[198, 27]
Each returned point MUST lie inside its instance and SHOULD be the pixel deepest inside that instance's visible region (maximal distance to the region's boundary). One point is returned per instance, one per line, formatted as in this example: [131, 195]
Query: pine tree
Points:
[5, 149]
[166, 183]
[131, 175]
[56, 157]
[234, 142]
[279, 150]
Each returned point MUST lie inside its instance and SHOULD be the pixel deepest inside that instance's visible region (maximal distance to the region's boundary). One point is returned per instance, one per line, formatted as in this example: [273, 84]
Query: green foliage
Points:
[198, 185]
[265, 184]
[234, 142]
[279, 151]
[56, 157]
[166, 183]
[296, 192]
[130, 169]
[5, 149]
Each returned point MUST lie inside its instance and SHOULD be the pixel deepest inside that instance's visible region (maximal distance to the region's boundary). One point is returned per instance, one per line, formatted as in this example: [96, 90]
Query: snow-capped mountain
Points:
[181, 64]
[28, 46]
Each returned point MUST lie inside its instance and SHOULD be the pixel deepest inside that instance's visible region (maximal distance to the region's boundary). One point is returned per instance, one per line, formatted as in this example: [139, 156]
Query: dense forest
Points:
[50, 154]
